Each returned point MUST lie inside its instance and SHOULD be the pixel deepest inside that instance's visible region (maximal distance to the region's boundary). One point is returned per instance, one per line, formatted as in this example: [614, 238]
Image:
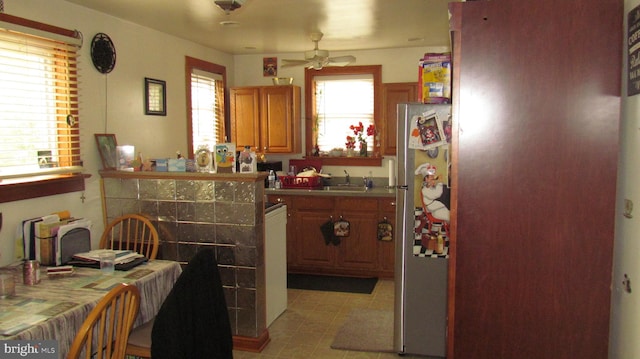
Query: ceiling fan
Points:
[317, 59]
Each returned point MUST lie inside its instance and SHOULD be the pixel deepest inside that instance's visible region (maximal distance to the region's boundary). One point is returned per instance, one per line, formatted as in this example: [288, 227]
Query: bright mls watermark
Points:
[32, 349]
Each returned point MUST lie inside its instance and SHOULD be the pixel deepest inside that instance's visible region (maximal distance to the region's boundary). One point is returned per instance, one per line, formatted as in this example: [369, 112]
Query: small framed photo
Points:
[107, 146]
[155, 97]
[270, 66]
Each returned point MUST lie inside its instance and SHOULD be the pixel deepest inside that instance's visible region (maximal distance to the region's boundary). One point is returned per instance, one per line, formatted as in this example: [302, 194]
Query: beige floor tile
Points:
[309, 325]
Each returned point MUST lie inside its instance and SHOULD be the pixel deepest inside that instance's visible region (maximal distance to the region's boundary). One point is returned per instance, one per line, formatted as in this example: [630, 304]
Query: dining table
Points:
[56, 307]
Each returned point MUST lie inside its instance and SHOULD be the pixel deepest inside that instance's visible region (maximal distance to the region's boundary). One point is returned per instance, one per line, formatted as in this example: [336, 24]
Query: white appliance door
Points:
[421, 275]
[275, 249]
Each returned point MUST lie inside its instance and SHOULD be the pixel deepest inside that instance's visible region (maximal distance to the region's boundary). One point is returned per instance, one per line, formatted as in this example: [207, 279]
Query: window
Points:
[39, 122]
[205, 96]
[337, 98]
[337, 109]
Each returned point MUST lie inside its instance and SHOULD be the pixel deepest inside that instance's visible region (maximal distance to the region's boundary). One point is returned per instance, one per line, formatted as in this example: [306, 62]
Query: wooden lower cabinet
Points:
[358, 254]
[358, 251]
[309, 246]
[387, 249]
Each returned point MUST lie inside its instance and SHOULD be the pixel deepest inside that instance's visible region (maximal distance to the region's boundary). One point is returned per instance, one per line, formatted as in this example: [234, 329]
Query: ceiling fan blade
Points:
[341, 60]
[289, 63]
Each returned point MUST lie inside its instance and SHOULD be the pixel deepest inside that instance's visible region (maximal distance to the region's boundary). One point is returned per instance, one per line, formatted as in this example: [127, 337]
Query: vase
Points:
[350, 152]
[363, 149]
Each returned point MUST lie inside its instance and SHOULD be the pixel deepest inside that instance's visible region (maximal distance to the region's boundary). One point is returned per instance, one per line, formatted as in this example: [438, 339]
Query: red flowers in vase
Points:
[361, 136]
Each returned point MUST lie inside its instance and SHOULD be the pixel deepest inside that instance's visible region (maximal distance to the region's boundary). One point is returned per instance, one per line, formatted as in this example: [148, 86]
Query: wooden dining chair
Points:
[133, 232]
[104, 332]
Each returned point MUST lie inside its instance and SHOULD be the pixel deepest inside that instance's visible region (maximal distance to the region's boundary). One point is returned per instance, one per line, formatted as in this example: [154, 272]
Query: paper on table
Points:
[122, 256]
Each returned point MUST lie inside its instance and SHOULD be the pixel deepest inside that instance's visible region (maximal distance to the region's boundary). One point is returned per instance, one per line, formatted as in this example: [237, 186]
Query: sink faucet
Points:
[347, 179]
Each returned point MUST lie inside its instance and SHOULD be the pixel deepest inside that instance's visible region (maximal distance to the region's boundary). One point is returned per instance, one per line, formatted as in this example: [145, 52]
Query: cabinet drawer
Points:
[315, 203]
[358, 204]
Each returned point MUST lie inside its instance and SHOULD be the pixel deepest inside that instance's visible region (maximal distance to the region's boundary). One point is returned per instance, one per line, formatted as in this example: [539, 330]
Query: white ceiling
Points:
[280, 26]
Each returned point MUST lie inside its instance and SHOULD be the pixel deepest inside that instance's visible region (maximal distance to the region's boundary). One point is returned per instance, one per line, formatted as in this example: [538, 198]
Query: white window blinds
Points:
[342, 101]
[39, 122]
[207, 109]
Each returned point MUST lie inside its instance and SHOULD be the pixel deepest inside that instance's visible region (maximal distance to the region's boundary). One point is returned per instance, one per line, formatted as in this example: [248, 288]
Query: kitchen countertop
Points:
[343, 192]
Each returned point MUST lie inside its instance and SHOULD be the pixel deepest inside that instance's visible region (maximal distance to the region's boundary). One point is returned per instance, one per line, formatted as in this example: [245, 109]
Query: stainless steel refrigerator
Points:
[422, 229]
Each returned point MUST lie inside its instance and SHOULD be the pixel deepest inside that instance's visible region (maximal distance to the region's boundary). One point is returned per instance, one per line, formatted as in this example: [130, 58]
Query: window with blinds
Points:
[39, 123]
[207, 109]
[342, 101]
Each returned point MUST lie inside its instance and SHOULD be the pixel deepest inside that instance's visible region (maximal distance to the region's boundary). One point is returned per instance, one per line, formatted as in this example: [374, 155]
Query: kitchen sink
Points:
[352, 188]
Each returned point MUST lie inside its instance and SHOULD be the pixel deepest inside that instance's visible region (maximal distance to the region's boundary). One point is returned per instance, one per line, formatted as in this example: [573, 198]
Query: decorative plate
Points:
[103, 53]
[203, 158]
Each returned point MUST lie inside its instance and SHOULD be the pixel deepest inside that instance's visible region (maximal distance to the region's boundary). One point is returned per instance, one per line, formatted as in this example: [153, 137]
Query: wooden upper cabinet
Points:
[392, 95]
[245, 116]
[266, 118]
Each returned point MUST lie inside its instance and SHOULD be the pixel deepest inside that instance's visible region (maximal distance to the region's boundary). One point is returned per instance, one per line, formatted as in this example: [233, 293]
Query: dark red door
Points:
[537, 105]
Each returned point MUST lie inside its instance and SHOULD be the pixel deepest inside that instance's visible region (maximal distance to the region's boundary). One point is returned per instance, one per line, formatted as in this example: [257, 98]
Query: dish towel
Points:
[329, 234]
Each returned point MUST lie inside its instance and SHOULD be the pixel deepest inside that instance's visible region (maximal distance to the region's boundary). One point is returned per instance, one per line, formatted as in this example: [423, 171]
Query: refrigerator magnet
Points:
[426, 131]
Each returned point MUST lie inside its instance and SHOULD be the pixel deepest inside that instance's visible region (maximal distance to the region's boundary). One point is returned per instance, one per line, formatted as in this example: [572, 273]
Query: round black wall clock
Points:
[103, 53]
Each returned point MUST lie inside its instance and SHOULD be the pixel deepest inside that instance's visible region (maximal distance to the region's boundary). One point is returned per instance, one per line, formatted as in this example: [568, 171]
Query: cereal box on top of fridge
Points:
[435, 78]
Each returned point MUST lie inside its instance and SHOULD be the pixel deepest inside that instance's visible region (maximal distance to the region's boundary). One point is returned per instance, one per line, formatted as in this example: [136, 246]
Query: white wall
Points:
[625, 307]
[112, 103]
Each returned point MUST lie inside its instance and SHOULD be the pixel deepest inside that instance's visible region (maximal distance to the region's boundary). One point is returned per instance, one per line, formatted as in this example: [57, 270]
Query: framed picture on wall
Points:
[155, 97]
[107, 146]
[269, 66]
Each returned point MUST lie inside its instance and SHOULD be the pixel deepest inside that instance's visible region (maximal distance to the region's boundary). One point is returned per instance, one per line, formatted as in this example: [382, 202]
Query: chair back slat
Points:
[131, 232]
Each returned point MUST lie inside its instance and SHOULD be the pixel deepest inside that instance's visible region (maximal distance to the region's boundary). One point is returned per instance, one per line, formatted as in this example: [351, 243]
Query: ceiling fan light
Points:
[313, 54]
[229, 5]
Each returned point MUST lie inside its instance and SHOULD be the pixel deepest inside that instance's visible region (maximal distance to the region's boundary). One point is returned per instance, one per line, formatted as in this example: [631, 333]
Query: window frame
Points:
[21, 188]
[193, 63]
[310, 109]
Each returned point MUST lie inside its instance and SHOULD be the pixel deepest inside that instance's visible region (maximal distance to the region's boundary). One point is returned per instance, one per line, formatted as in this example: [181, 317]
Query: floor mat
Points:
[331, 283]
[369, 330]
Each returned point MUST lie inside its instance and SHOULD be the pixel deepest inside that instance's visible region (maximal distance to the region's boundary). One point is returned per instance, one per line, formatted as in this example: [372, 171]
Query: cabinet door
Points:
[312, 252]
[392, 95]
[245, 116]
[386, 249]
[359, 250]
[280, 119]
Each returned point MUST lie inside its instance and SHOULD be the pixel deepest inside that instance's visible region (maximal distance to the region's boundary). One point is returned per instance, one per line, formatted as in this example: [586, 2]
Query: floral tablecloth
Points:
[55, 308]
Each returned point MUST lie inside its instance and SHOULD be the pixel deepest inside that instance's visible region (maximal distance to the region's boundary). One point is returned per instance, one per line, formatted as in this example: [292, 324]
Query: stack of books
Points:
[125, 259]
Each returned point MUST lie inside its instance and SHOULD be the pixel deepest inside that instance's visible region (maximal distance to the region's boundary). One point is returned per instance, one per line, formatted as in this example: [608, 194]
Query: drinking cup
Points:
[107, 262]
[7, 286]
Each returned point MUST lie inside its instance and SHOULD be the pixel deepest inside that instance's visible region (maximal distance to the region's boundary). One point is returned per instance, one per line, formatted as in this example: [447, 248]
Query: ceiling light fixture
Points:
[229, 5]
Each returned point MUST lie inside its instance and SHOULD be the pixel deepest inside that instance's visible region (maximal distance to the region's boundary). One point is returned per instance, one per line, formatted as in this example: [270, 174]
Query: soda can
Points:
[31, 272]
